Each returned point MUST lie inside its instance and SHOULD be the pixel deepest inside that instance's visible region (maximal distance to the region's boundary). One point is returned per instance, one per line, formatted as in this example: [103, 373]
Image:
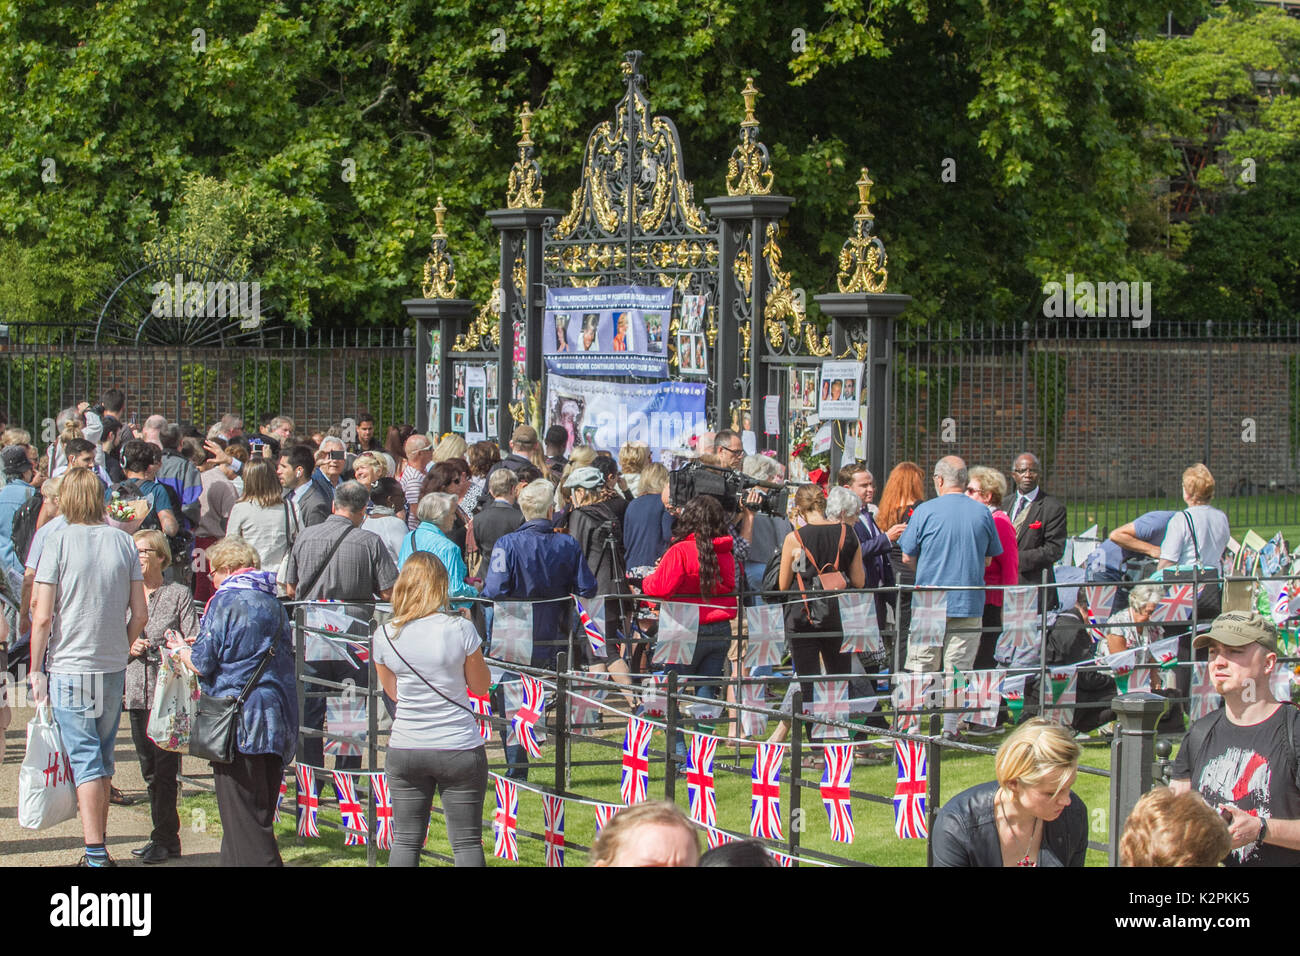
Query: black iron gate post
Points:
[862, 322]
[437, 316]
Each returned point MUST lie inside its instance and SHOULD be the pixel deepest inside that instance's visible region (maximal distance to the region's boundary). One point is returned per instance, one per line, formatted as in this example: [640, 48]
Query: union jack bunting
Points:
[553, 825]
[584, 706]
[765, 625]
[1164, 652]
[717, 838]
[1062, 683]
[354, 818]
[781, 858]
[929, 618]
[345, 716]
[753, 695]
[679, 627]
[604, 813]
[831, 702]
[983, 699]
[1175, 604]
[836, 780]
[279, 798]
[1100, 602]
[360, 653]
[699, 779]
[383, 811]
[307, 801]
[765, 803]
[909, 793]
[512, 631]
[1019, 623]
[594, 632]
[858, 622]
[482, 708]
[505, 821]
[910, 694]
[1279, 683]
[635, 784]
[1205, 699]
[524, 721]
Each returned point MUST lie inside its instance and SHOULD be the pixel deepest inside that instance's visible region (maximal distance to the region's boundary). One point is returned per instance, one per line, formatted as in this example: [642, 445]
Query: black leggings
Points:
[809, 652]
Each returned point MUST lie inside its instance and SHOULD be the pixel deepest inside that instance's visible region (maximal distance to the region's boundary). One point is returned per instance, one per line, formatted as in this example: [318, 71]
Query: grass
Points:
[1267, 513]
[875, 841]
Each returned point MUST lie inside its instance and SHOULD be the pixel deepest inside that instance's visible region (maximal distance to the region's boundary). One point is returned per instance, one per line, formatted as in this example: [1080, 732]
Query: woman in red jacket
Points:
[698, 565]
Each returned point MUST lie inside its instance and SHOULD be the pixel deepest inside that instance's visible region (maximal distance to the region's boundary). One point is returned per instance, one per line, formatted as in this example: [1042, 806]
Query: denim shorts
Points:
[87, 708]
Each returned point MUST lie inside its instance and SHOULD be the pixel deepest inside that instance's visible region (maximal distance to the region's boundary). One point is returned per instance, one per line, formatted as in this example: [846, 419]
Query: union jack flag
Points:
[595, 634]
[1019, 620]
[1100, 602]
[753, 695]
[1281, 606]
[505, 821]
[781, 858]
[585, 706]
[929, 618]
[604, 813]
[699, 779]
[360, 653]
[482, 708]
[307, 801]
[765, 625]
[383, 811]
[982, 696]
[524, 722]
[636, 764]
[512, 631]
[1175, 604]
[911, 692]
[345, 716]
[1205, 699]
[679, 625]
[765, 804]
[553, 825]
[717, 838]
[279, 798]
[909, 794]
[836, 780]
[354, 819]
[831, 702]
[858, 622]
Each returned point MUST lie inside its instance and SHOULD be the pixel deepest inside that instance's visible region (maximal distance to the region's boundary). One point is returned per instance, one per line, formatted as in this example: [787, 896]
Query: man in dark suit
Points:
[1039, 520]
[295, 468]
[500, 517]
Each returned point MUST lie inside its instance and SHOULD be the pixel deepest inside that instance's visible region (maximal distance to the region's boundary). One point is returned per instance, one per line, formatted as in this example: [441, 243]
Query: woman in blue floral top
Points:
[241, 621]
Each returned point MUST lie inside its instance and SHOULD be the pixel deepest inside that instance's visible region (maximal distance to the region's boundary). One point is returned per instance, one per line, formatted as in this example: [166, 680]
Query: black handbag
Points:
[214, 734]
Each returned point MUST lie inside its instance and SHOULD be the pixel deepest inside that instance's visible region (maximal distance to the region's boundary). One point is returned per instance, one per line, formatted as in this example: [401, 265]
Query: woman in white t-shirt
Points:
[426, 657]
[1201, 540]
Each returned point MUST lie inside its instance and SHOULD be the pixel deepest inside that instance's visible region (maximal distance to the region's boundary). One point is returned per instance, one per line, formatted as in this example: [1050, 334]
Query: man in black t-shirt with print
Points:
[1242, 758]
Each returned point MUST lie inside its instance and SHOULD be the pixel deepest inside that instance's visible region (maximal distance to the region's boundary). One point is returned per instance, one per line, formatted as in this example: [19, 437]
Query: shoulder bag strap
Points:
[456, 703]
[324, 564]
[1191, 527]
[803, 594]
[257, 674]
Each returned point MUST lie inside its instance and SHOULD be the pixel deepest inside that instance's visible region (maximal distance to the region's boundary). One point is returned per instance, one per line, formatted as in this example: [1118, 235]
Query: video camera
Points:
[728, 486]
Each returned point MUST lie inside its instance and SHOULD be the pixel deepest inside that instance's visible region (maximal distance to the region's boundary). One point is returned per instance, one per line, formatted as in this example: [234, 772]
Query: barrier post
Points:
[299, 660]
[1042, 645]
[1132, 757]
[373, 703]
[796, 762]
[933, 768]
[561, 722]
[670, 769]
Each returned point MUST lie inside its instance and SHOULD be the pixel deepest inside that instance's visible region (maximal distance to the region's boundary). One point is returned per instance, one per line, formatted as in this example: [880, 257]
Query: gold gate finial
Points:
[439, 268]
[862, 258]
[524, 188]
[749, 170]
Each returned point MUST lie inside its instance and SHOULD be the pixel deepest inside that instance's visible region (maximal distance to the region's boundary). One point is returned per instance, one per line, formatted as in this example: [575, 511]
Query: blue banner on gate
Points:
[608, 330]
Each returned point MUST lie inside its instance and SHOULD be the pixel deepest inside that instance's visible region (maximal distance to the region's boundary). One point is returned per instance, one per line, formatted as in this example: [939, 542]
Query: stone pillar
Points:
[437, 321]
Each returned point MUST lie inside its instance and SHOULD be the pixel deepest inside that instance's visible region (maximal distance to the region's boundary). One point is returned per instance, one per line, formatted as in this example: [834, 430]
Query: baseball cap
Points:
[15, 460]
[585, 477]
[1239, 628]
[524, 435]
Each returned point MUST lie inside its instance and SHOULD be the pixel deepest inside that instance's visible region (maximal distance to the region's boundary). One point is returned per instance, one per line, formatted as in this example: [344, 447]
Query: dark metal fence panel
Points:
[316, 377]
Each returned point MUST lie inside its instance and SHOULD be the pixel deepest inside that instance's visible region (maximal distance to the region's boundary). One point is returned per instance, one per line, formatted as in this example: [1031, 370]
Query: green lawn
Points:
[874, 822]
[1266, 513]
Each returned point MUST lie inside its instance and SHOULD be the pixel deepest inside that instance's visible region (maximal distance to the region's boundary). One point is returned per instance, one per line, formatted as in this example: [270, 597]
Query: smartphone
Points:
[337, 455]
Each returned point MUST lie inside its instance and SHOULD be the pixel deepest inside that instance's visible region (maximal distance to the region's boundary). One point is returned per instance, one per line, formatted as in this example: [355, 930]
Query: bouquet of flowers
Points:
[127, 514]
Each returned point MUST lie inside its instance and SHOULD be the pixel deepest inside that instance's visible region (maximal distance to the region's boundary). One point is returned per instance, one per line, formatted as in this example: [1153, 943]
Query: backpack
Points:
[24, 528]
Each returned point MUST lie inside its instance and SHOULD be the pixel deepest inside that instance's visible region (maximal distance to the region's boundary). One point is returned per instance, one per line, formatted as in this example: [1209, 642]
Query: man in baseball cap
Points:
[1242, 758]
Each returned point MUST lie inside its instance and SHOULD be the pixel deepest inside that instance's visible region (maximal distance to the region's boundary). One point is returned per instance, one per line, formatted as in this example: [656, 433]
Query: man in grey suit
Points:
[295, 469]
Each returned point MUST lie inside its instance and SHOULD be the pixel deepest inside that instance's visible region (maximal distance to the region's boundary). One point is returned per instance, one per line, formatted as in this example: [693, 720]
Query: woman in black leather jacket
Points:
[1028, 816]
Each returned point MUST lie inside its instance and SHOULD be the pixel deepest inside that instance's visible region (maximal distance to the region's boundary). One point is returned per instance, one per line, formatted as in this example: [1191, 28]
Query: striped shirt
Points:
[411, 480]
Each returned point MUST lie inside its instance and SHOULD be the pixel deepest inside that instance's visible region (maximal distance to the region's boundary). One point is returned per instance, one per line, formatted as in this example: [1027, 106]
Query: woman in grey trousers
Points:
[426, 657]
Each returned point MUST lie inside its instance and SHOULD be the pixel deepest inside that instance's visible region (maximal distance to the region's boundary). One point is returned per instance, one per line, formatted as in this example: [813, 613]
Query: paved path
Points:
[128, 827]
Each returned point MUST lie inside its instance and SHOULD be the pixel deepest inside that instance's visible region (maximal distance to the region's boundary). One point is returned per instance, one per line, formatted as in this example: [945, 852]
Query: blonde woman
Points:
[426, 657]
[368, 468]
[1028, 816]
[450, 446]
[632, 460]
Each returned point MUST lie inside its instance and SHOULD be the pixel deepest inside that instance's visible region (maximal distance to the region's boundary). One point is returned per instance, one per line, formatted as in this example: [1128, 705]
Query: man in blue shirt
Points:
[951, 539]
[1133, 540]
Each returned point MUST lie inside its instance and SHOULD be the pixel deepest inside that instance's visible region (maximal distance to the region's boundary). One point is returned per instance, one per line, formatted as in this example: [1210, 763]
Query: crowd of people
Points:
[113, 534]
